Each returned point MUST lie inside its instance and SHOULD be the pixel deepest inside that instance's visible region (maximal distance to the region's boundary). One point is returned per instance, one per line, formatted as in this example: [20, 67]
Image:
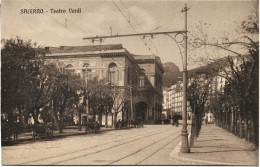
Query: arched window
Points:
[141, 78]
[69, 68]
[112, 78]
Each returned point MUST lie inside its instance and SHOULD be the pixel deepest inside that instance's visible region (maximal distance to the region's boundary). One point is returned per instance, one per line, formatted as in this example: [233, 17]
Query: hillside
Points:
[171, 74]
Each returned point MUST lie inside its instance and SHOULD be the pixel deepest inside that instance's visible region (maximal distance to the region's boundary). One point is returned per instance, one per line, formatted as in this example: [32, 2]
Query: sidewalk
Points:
[25, 137]
[215, 146]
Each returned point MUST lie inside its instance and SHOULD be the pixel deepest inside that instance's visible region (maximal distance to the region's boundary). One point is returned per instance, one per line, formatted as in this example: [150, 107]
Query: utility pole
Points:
[184, 134]
[131, 113]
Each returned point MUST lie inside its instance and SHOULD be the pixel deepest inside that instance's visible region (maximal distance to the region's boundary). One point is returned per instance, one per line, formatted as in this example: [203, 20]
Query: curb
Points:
[174, 155]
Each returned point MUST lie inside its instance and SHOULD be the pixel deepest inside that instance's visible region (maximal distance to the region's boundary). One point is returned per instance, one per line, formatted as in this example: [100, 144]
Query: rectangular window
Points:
[128, 75]
[141, 81]
[112, 77]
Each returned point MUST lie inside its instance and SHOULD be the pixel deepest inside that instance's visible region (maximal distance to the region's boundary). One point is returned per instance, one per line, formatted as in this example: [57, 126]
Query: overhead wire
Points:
[55, 20]
[128, 22]
[150, 41]
[68, 20]
[129, 13]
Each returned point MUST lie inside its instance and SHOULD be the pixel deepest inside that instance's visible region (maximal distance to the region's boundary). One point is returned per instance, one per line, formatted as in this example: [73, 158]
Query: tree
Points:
[65, 96]
[197, 95]
[21, 63]
[240, 67]
[31, 87]
[98, 97]
[118, 102]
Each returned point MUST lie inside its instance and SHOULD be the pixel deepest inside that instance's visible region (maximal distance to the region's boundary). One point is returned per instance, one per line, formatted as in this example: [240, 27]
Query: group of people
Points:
[133, 123]
[175, 119]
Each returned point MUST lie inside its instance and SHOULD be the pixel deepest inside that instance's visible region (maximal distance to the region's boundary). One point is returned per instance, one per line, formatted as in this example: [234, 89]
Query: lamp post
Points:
[85, 80]
[184, 133]
[131, 105]
[79, 108]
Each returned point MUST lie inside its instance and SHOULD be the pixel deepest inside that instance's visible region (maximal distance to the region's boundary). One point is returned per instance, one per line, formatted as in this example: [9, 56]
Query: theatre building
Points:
[140, 76]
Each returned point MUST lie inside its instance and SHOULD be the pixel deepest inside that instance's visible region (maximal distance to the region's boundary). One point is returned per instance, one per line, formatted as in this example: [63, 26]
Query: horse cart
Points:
[92, 127]
[42, 130]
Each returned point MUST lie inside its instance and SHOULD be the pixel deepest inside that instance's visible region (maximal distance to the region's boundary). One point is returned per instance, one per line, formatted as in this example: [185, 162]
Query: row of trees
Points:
[235, 105]
[33, 88]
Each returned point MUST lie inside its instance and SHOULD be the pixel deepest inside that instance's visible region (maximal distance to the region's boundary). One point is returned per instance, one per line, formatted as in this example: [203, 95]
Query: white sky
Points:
[98, 16]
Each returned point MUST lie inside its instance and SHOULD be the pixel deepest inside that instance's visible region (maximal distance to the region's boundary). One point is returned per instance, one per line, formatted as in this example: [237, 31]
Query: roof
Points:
[70, 49]
[143, 58]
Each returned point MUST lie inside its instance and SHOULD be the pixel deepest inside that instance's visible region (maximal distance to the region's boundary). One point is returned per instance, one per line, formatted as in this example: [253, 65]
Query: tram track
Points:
[146, 147]
[77, 152]
[139, 162]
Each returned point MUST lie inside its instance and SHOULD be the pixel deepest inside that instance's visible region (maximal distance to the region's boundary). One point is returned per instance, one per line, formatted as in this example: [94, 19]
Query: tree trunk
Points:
[240, 125]
[35, 118]
[20, 116]
[232, 120]
[54, 117]
[254, 127]
[79, 123]
[219, 120]
[123, 116]
[106, 119]
[245, 120]
[197, 117]
[193, 130]
[79, 115]
[222, 120]
[255, 132]
[246, 127]
[37, 113]
[26, 117]
[114, 120]
[235, 122]
[100, 117]
[61, 123]
[227, 120]
[94, 116]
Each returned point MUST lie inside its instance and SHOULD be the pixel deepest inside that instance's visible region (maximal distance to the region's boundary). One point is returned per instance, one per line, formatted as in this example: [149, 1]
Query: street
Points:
[150, 145]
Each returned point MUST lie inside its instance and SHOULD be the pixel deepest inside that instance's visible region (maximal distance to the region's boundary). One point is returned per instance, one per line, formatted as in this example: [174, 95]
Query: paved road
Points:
[150, 145]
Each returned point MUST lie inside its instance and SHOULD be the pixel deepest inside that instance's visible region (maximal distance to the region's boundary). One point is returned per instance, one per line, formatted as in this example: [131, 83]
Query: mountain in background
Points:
[171, 74]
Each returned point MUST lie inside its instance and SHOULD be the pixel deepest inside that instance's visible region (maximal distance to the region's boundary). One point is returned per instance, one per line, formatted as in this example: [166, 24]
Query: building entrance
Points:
[141, 109]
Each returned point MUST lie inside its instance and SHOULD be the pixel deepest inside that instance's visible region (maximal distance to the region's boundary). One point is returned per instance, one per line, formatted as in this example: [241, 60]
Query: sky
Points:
[99, 17]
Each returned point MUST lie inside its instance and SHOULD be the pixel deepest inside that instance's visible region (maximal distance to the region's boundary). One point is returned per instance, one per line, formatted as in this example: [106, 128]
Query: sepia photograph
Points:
[129, 82]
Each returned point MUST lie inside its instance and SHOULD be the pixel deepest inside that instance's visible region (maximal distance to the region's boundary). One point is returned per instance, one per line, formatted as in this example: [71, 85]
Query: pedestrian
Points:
[175, 120]
[206, 120]
[119, 123]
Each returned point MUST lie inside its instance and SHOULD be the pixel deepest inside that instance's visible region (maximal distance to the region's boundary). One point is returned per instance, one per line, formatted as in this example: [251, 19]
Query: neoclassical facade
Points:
[139, 75]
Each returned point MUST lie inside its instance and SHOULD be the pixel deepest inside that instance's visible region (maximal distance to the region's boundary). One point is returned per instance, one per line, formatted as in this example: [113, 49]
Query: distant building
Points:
[174, 98]
[173, 95]
[139, 76]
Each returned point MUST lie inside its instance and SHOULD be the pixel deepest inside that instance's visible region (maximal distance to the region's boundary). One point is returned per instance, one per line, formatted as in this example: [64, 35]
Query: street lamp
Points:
[79, 108]
[184, 134]
[85, 80]
[131, 107]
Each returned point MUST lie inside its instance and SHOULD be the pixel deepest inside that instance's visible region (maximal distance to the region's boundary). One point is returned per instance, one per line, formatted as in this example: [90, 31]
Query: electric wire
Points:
[129, 23]
[67, 20]
[150, 41]
[58, 22]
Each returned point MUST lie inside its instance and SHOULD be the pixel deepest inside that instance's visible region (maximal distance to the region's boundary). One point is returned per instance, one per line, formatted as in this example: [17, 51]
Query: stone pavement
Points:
[215, 146]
